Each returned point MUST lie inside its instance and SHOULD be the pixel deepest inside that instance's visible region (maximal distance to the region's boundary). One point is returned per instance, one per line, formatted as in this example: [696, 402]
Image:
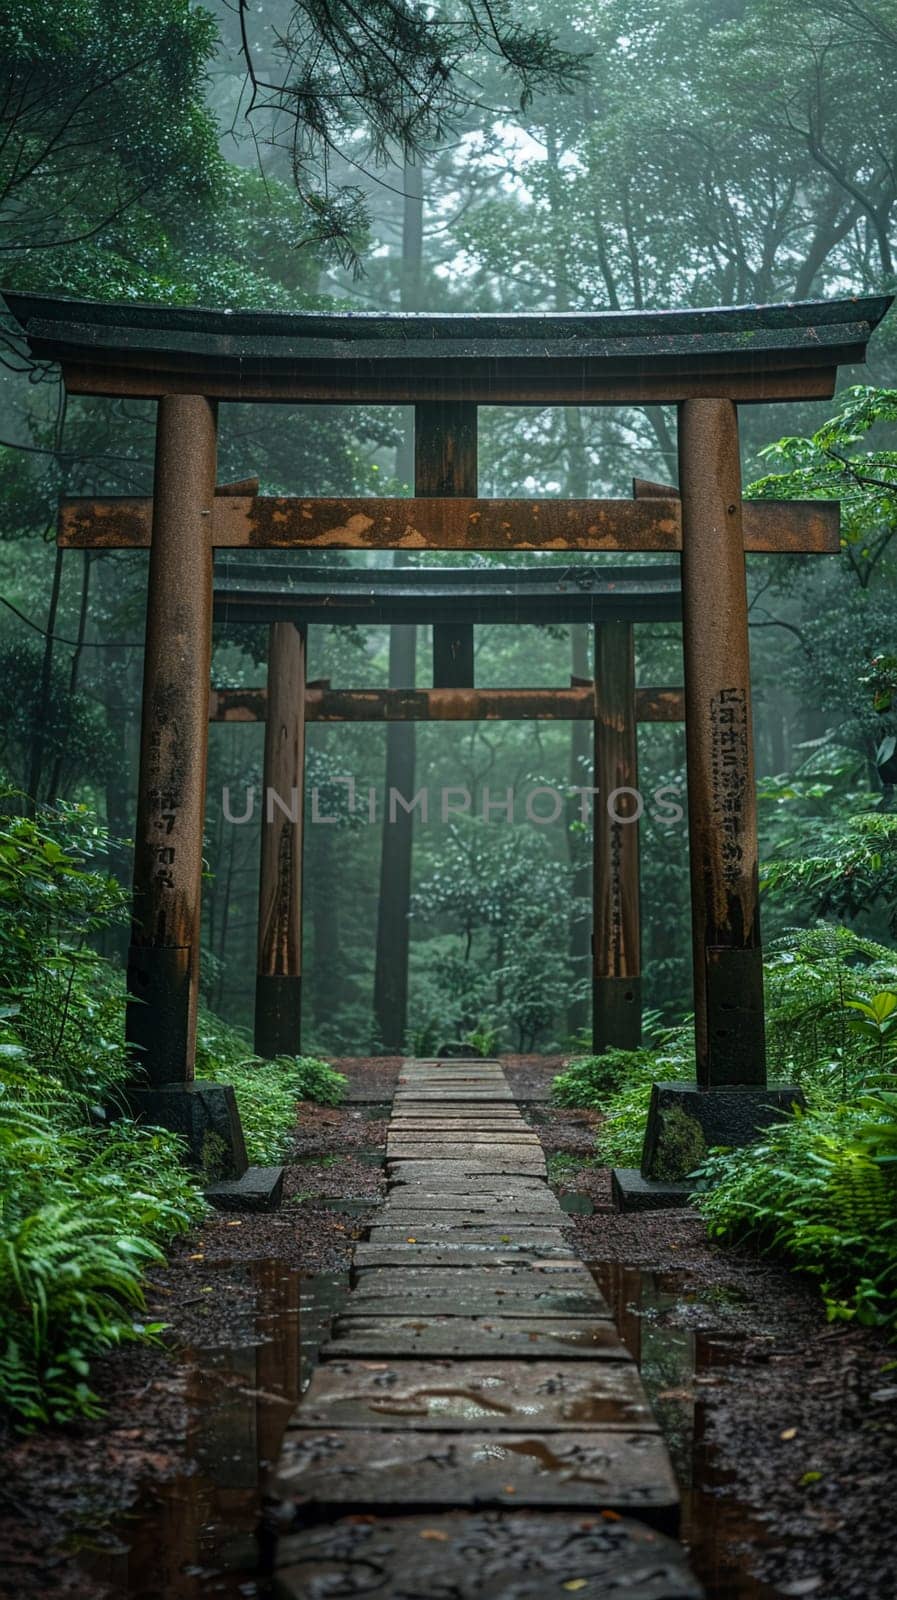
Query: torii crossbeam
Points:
[704, 361]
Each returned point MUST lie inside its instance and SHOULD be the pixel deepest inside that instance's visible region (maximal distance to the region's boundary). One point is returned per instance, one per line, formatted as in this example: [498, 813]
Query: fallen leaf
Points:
[808, 1478]
[575, 1583]
[611, 1516]
[788, 1433]
[198, 1257]
[434, 1533]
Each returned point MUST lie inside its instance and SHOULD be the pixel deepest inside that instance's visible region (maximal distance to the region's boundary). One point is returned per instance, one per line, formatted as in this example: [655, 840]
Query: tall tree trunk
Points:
[323, 903]
[56, 777]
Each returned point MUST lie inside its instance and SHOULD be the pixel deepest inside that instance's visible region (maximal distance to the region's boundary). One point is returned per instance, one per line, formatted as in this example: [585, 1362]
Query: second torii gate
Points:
[706, 362]
[609, 600]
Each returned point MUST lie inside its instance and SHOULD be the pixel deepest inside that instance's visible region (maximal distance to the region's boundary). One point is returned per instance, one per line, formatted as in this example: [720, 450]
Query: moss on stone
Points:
[680, 1148]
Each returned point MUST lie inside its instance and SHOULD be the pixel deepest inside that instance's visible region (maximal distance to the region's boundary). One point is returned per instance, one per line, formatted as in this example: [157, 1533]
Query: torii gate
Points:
[610, 600]
[706, 362]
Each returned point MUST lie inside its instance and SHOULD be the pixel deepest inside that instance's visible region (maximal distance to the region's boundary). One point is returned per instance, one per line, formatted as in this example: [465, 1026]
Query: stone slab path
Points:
[475, 1429]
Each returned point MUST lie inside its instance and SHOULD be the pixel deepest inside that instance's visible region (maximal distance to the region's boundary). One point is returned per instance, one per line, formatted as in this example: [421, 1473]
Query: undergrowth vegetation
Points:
[820, 1188]
[88, 1198]
[267, 1091]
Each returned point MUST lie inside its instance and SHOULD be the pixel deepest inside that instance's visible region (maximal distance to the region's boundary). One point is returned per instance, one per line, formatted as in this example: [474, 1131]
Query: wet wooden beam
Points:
[278, 991]
[728, 966]
[616, 940]
[267, 523]
[485, 382]
[768, 529]
[163, 962]
[323, 704]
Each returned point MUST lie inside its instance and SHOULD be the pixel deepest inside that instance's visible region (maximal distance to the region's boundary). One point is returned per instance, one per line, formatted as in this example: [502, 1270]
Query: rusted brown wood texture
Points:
[269, 523]
[445, 705]
[163, 965]
[728, 969]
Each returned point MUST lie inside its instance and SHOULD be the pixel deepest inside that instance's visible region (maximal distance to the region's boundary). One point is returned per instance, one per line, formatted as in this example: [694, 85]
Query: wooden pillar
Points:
[728, 965]
[616, 987]
[453, 663]
[394, 899]
[445, 463]
[163, 963]
[278, 986]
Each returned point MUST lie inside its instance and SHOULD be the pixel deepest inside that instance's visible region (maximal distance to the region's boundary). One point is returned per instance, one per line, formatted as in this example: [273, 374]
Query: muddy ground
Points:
[796, 1418]
[784, 1429]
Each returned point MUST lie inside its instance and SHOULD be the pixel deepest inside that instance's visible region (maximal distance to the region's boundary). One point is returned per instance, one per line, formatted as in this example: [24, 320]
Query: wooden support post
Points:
[278, 987]
[445, 464]
[453, 664]
[163, 964]
[728, 966]
[616, 988]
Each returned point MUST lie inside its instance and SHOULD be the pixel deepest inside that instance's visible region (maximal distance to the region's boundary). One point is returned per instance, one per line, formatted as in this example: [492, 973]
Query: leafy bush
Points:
[267, 1091]
[85, 1207]
[815, 1191]
[619, 1084]
[817, 981]
[89, 1199]
[590, 1081]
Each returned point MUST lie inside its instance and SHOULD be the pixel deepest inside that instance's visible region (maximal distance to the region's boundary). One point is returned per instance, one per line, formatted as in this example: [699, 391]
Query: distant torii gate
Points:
[610, 600]
[706, 362]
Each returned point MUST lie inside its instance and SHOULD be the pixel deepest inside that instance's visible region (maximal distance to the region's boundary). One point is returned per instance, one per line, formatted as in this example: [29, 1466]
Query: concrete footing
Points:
[684, 1123]
[632, 1192]
[207, 1117]
[258, 1189]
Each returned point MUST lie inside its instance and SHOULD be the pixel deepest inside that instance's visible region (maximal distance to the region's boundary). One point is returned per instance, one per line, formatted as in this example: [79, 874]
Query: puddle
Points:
[676, 1365]
[576, 1204]
[346, 1207]
[194, 1536]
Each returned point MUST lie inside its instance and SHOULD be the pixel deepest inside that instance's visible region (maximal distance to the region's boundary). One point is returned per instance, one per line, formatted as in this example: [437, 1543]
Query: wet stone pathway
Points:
[475, 1429]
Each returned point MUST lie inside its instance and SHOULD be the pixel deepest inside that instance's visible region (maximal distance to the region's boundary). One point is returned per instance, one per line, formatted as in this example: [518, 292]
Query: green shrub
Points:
[817, 982]
[619, 1084]
[267, 1091]
[590, 1081]
[84, 1209]
[814, 1192]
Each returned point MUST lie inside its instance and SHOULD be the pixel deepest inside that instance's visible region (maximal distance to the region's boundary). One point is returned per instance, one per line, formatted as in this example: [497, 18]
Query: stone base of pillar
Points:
[684, 1122]
[631, 1192]
[259, 1189]
[205, 1115]
[278, 1015]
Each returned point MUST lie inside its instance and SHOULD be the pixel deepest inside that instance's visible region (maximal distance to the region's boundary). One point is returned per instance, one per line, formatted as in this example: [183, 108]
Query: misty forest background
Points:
[579, 157]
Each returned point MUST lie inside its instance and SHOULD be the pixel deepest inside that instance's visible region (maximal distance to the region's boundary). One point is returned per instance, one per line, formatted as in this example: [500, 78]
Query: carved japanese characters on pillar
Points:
[728, 967]
[163, 969]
